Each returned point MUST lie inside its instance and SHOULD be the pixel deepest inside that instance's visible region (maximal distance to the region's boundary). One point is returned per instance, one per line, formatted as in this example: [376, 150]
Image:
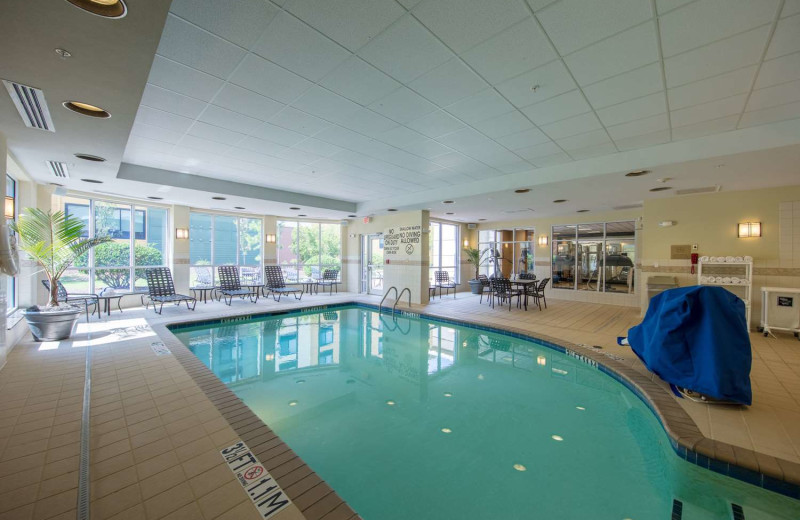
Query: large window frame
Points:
[511, 251]
[296, 271]
[12, 287]
[249, 272]
[438, 252]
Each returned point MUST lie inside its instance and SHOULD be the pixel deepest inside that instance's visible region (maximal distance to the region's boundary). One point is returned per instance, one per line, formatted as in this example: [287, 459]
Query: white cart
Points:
[743, 270]
[780, 310]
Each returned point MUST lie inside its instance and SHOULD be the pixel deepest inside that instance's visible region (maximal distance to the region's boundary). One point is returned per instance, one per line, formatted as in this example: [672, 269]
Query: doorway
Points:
[372, 264]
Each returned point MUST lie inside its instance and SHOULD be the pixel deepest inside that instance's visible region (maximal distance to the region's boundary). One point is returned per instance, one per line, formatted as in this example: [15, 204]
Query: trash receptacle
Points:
[659, 284]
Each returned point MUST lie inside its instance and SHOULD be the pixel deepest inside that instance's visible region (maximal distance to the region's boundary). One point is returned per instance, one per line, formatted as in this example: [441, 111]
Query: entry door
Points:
[372, 264]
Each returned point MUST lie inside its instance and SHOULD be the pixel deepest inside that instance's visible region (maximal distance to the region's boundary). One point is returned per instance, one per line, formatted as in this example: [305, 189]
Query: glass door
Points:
[372, 264]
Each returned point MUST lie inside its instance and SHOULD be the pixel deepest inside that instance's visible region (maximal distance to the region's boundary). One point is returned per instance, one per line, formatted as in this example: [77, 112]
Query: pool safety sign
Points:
[401, 241]
[259, 485]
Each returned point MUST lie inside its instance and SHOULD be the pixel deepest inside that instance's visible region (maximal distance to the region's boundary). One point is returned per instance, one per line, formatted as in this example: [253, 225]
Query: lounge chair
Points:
[161, 289]
[66, 297]
[330, 278]
[276, 285]
[503, 290]
[230, 286]
[442, 279]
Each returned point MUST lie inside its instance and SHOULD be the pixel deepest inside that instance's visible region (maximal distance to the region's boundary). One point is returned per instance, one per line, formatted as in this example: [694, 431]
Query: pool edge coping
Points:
[687, 441]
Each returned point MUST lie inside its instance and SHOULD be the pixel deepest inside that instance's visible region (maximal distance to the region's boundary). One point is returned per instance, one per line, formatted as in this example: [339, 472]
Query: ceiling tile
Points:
[435, 124]
[299, 156]
[225, 118]
[572, 126]
[297, 47]
[708, 111]
[780, 70]
[352, 23]
[255, 144]
[538, 150]
[268, 79]
[593, 151]
[786, 39]
[247, 102]
[318, 147]
[403, 105]
[642, 140]
[481, 106]
[576, 142]
[557, 108]
[238, 21]
[715, 126]
[400, 136]
[718, 57]
[523, 139]
[553, 79]
[552, 160]
[621, 53]
[706, 21]
[790, 7]
[199, 146]
[448, 83]
[343, 137]
[664, 6]
[470, 142]
[504, 124]
[724, 85]
[630, 85]
[161, 119]
[573, 24]
[155, 133]
[368, 122]
[169, 101]
[405, 51]
[327, 105]
[359, 81]
[299, 121]
[537, 5]
[428, 149]
[179, 78]
[774, 96]
[278, 135]
[214, 133]
[519, 48]
[646, 125]
[196, 48]
[635, 109]
[463, 23]
[770, 115]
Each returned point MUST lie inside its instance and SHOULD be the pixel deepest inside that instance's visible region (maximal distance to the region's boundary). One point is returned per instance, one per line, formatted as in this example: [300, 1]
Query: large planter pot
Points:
[475, 286]
[52, 326]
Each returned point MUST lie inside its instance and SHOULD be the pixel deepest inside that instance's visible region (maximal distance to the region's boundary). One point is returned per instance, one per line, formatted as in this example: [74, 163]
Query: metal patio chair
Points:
[161, 289]
[230, 286]
[330, 278]
[442, 279]
[275, 284]
[538, 293]
[503, 290]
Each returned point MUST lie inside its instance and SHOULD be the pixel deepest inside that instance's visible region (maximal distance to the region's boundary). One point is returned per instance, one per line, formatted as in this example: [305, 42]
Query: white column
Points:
[180, 249]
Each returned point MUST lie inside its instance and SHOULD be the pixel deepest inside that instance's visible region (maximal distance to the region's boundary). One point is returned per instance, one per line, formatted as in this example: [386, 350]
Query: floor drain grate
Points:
[83, 471]
[738, 512]
[677, 509]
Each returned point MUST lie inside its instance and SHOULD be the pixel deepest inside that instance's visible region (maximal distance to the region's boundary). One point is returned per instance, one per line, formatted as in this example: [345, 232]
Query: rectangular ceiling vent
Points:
[58, 169]
[628, 206]
[31, 105]
[695, 191]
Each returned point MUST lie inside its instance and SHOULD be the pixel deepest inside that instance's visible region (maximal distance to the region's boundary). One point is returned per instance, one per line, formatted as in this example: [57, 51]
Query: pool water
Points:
[415, 419]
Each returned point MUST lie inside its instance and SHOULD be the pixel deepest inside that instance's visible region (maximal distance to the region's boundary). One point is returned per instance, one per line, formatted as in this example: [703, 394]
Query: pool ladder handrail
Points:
[397, 299]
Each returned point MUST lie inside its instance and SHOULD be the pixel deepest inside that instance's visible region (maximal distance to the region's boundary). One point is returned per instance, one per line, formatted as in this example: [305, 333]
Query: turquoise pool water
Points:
[416, 419]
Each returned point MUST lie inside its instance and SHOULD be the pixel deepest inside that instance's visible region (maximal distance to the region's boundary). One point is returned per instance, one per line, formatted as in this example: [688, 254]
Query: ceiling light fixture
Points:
[661, 188]
[302, 215]
[582, 210]
[352, 216]
[93, 181]
[448, 201]
[559, 201]
[155, 198]
[104, 8]
[218, 198]
[637, 173]
[522, 190]
[85, 109]
[239, 207]
[391, 209]
[294, 208]
[481, 219]
[450, 213]
[89, 157]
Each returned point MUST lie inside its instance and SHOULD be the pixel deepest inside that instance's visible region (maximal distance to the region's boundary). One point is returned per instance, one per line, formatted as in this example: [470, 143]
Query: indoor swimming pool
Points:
[409, 417]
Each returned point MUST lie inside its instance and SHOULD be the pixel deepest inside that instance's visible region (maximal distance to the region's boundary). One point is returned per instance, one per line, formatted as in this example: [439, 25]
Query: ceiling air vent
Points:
[628, 206]
[31, 105]
[58, 169]
[695, 191]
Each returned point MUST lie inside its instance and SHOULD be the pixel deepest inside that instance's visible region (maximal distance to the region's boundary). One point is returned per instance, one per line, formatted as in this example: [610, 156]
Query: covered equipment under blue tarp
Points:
[696, 338]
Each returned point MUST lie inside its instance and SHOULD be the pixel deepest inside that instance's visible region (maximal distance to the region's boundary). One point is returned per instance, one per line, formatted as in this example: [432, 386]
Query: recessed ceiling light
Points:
[582, 210]
[295, 208]
[391, 209]
[352, 216]
[93, 181]
[522, 190]
[302, 215]
[86, 109]
[481, 219]
[661, 188]
[637, 173]
[448, 202]
[104, 8]
[238, 207]
[449, 213]
[89, 157]
[218, 198]
[559, 201]
[155, 198]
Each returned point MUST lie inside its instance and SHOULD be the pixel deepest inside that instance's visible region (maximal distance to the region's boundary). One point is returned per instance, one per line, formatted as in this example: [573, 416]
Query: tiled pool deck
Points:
[158, 422]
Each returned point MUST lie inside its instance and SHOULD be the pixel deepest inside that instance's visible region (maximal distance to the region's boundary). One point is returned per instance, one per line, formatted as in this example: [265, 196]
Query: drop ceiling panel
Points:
[552, 79]
[577, 142]
[215, 133]
[401, 136]
[790, 7]
[435, 124]
[299, 121]
[268, 79]
[641, 140]
[572, 126]
[462, 24]
[161, 119]
[229, 119]
[368, 122]
[557, 108]
[635, 109]
[238, 21]
[196, 48]
[259, 145]
[247, 102]
[664, 6]
[351, 23]
[448, 83]
[770, 115]
[403, 105]
[636, 83]
[518, 49]
[593, 151]
[482, 105]
[786, 39]
[428, 149]
[774, 96]
[200, 146]
[323, 103]
[715, 126]
[724, 85]
[643, 126]
[523, 139]
[155, 133]
[278, 135]
[179, 78]
[299, 48]
[626, 51]
[318, 147]
[168, 101]
[505, 124]
[359, 81]
[406, 50]
[707, 111]
[538, 150]
[552, 160]
[780, 70]
[573, 24]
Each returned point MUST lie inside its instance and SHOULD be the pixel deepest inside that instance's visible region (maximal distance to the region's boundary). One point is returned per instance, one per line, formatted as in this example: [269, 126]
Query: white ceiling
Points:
[365, 100]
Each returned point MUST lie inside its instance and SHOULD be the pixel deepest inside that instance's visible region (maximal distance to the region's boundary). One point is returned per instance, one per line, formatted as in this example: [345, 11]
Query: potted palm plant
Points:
[477, 258]
[54, 241]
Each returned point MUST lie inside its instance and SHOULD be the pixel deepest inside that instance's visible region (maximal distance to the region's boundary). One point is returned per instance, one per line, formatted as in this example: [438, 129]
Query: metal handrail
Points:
[380, 305]
[399, 297]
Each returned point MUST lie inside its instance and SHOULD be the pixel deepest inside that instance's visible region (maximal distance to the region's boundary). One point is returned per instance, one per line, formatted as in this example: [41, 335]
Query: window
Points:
[594, 257]
[510, 251]
[135, 245]
[306, 249]
[216, 240]
[444, 251]
[11, 284]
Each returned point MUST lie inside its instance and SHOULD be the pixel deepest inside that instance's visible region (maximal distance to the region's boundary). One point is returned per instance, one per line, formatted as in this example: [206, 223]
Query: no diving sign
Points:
[266, 494]
[401, 241]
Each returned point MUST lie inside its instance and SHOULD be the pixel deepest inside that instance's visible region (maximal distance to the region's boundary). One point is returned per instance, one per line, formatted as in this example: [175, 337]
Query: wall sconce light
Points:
[270, 238]
[466, 243]
[181, 233]
[9, 207]
[749, 229]
[543, 240]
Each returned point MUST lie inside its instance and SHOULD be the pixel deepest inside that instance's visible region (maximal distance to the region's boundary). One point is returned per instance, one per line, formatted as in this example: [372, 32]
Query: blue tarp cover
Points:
[696, 338]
